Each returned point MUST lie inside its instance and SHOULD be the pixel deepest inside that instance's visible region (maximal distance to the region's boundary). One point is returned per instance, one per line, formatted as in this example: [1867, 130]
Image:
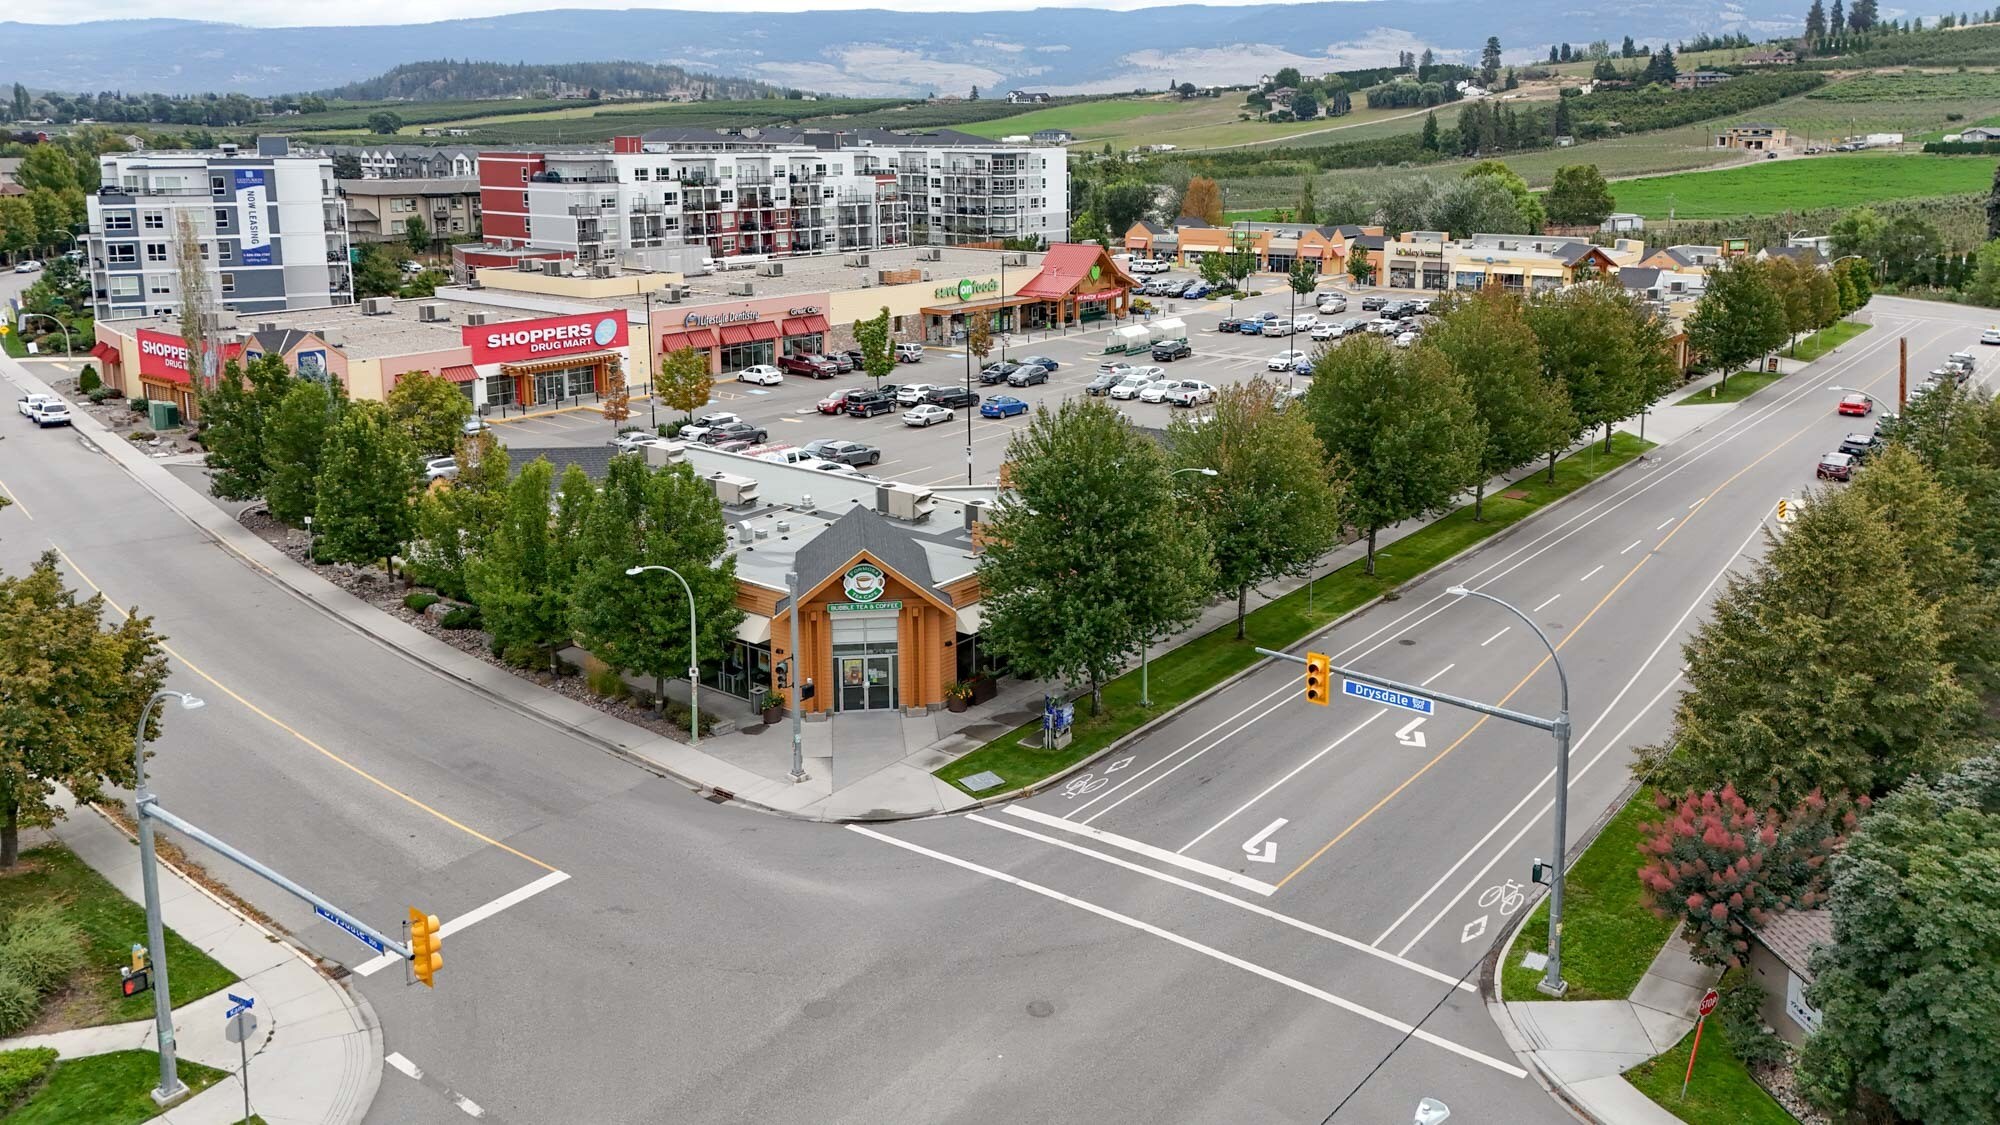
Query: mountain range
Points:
[867, 52]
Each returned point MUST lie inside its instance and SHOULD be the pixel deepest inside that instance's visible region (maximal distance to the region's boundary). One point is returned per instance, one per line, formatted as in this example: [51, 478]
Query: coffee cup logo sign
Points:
[863, 583]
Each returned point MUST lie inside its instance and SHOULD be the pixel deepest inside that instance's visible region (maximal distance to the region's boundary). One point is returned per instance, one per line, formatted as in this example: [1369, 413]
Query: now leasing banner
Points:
[253, 195]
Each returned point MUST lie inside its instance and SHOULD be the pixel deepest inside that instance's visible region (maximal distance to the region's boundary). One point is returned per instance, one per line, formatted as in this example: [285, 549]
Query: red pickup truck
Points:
[803, 363]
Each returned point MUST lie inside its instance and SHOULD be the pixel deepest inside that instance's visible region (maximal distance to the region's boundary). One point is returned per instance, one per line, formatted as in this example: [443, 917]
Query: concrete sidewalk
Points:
[316, 1056]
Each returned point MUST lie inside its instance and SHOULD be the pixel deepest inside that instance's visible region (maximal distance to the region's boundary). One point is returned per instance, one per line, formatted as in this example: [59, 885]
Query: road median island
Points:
[1185, 672]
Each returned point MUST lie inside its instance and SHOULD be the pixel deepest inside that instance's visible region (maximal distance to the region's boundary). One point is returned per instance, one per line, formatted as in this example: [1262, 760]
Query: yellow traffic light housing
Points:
[426, 945]
[1319, 677]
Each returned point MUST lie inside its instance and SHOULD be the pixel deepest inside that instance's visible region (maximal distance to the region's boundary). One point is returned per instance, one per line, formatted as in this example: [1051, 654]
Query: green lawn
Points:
[111, 924]
[1721, 1091]
[1742, 385]
[13, 345]
[1082, 119]
[1609, 934]
[113, 1089]
[1829, 338]
[1772, 187]
[1181, 673]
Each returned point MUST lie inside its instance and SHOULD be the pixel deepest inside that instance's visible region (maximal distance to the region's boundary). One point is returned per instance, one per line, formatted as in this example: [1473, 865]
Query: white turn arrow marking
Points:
[1269, 852]
[1473, 929]
[1410, 735]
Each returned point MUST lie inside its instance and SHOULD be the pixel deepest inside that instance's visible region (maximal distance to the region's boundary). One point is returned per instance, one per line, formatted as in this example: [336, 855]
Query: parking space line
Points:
[1140, 847]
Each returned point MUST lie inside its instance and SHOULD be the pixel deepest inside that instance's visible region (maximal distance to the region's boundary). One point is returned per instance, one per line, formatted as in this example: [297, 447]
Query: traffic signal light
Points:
[425, 944]
[1319, 675]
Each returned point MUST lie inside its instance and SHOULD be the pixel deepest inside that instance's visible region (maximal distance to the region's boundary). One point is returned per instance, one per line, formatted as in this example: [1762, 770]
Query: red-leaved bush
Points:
[1722, 865]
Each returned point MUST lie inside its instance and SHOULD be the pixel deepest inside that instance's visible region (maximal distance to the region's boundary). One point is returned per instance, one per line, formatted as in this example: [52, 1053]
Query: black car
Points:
[1373, 302]
[735, 431]
[1101, 385]
[1228, 324]
[1041, 361]
[1167, 351]
[951, 397]
[869, 403]
[997, 372]
[1027, 374]
[1861, 446]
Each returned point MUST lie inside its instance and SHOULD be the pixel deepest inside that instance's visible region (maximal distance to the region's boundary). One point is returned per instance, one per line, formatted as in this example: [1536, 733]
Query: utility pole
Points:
[1902, 372]
[798, 711]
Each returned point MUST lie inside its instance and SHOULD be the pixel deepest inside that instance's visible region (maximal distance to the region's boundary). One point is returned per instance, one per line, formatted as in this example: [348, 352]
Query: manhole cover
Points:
[1041, 1009]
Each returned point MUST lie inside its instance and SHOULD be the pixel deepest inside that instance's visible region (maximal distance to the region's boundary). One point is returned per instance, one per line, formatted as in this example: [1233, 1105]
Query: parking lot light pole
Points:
[1146, 646]
[798, 712]
[1552, 981]
[694, 660]
[171, 1088]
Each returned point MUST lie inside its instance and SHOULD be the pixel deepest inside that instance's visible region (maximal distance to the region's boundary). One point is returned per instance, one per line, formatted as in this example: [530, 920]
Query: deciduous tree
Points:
[878, 357]
[368, 475]
[416, 234]
[682, 380]
[431, 411]
[455, 519]
[1203, 200]
[1739, 318]
[235, 416]
[1579, 196]
[1524, 411]
[296, 434]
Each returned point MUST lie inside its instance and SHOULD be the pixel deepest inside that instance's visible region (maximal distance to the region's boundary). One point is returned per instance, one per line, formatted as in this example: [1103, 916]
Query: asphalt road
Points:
[1111, 952]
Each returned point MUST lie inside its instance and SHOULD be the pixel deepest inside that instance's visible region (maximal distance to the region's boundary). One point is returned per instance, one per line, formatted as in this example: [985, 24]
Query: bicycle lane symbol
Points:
[1083, 784]
[1508, 896]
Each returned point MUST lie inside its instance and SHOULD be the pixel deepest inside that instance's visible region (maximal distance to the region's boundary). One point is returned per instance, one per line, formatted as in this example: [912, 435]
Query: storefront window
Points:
[736, 357]
[582, 381]
[499, 390]
[548, 386]
[810, 344]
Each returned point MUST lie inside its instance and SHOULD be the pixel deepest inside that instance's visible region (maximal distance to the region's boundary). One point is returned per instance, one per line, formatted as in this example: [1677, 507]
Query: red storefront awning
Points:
[734, 334]
[763, 330]
[700, 338]
[460, 373]
[804, 325]
[105, 353]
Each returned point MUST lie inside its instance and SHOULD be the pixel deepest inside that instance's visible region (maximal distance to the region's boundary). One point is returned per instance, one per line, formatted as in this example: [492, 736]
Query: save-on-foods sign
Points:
[549, 338]
[966, 289]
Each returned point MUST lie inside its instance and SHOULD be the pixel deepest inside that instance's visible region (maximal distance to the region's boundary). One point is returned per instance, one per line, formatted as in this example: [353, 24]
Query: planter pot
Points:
[773, 715]
[955, 705]
[985, 688]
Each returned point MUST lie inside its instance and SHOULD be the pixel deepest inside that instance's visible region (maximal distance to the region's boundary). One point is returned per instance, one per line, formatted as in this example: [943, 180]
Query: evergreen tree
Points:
[1837, 20]
[1816, 21]
[1553, 57]
[368, 474]
[1629, 49]
[519, 580]
[1489, 62]
[1308, 214]
[1522, 410]
[1561, 119]
[1430, 137]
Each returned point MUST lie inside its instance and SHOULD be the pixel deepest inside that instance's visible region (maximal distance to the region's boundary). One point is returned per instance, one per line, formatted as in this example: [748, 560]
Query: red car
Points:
[833, 403]
[1856, 404]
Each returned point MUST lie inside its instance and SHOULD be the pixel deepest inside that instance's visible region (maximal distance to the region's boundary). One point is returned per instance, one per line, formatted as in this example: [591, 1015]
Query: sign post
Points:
[1708, 1000]
[242, 1025]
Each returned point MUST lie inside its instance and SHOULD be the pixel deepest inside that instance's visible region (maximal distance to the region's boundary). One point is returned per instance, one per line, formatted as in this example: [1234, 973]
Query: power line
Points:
[1384, 1060]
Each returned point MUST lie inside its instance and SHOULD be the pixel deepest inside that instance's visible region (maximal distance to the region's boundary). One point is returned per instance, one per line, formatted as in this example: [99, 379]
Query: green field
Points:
[1797, 185]
[1197, 123]
[1084, 119]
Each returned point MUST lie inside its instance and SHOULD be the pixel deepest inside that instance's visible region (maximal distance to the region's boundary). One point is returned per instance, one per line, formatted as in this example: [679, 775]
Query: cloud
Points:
[859, 69]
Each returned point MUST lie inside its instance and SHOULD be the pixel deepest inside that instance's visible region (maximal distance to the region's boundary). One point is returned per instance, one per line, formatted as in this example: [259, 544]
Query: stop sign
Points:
[1708, 1000]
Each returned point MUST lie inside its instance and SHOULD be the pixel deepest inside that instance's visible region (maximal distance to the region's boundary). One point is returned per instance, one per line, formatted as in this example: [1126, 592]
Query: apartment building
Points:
[381, 210]
[271, 226]
[773, 192]
[412, 162]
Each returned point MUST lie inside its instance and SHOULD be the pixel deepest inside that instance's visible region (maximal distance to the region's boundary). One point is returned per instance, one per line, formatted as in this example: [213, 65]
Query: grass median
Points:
[1179, 674]
[110, 1089]
[1828, 338]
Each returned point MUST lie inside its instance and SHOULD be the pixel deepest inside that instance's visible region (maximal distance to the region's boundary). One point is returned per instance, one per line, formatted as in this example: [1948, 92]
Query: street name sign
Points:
[350, 928]
[241, 1004]
[1388, 698]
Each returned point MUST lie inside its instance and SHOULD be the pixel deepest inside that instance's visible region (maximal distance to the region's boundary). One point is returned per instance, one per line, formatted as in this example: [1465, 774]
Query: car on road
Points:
[806, 363]
[636, 440]
[951, 396]
[440, 468]
[1002, 406]
[926, 414]
[997, 372]
[26, 404]
[1156, 391]
[1990, 336]
[910, 394]
[1027, 374]
[909, 353]
[1279, 327]
[762, 373]
[698, 429]
[1166, 351]
[835, 402]
[28, 265]
[1283, 360]
[52, 414]
[1861, 447]
[844, 452]
[1189, 392]
[1330, 305]
[1372, 302]
[1041, 361]
[732, 432]
[1835, 466]
[869, 403]
[1858, 405]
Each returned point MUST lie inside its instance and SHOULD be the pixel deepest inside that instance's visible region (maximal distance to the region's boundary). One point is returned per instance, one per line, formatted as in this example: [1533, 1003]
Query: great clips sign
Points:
[520, 341]
[163, 355]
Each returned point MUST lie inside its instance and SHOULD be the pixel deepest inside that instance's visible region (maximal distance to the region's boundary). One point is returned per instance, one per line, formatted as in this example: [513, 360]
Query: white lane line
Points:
[1606, 714]
[471, 917]
[1663, 526]
[1219, 896]
[1494, 637]
[396, 1059]
[1546, 604]
[1140, 847]
[1634, 543]
[1436, 674]
[1593, 570]
[1289, 686]
[1274, 785]
[1272, 975]
[416, 1073]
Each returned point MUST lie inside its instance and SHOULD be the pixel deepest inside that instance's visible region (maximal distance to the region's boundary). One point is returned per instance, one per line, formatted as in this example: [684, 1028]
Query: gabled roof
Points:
[1638, 277]
[1193, 223]
[1370, 241]
[862, 530]
[1570, 253]
[1793, 935]
[1675, 256]
[1152, 227]
[281, 341]
[1345, 230]
[1066, 265]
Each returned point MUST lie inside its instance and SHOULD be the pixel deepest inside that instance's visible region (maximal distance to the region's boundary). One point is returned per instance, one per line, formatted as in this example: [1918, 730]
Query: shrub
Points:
[88, 380]
[606, 682]
[417, 603]
[140, 435]
[518, 655]
[140, 406]
[678, 715]
[1741, 1011]
[19, 1002]
[462, 617]
[644, 699]
[97, 395]
[41, 947]
[21, 1070]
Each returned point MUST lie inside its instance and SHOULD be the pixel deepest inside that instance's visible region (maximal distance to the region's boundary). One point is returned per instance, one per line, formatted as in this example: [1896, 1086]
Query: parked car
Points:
[1041, 361]
[951, 396]
[735, 432]
[1102, 384]
[844, 452]
[1406, 338]
[802, 458]
[1283, 360]
[1304, 366]
[1835, 466]
[28, 265]
[1156, 391]
[1279, 327]
[1990, 336]
[910, 394]
[698, 429]
[1964, 361]
[1305, 323]
[834, 403]
[850, 360]
[926, 415]
[997, 372]
[909, 353]
[1197, 290]
[1372, 302]
[761, 373]
[1857, 404]
[52, 414]
[1350, 326]
[1332, 303]
[1130, 386]
[1166, 351]
[1386, 327]
[1002, 406]
[1028, 375]
[1861, 446]
[636, 440]
[474, 426]
[869, 403]
[1328, 331]
[26, 404]
[805, 363]
[1189, 392]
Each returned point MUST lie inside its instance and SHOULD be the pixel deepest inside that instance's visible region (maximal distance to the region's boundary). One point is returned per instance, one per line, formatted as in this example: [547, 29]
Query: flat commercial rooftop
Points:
[395, 333]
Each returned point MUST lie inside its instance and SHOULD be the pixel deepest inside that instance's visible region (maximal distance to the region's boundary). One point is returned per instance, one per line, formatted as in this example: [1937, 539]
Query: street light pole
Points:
[1146, 644]
[798, 713]
[694, 659]
[171, 1088]
[64, 328]
[1552, 981]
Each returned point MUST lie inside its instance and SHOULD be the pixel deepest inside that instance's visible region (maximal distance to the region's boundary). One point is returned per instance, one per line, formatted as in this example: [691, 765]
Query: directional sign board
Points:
[350, 928]
[239, 1004]
[1388, 698]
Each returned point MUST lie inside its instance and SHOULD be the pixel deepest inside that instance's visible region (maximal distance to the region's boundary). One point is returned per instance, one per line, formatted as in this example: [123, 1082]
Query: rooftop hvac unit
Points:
[553, 267]
[267, 326]
[903, 502]
[930, 254]
[476, 319]
[473, 282]
[1016, 259]
[528, 265]
[432, 314]
[735, 492]
[378, 306]
[671, 294]
[742, 289]
[771, 269]
[860, 260]
[601, 270]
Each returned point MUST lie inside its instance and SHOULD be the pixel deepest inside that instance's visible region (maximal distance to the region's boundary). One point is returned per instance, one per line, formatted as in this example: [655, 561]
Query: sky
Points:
[282, 13]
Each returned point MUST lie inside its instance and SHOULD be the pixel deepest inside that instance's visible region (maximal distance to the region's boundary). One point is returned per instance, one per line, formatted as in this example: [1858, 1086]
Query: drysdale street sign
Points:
[547, 338]
[1375, 694]
[966, 289]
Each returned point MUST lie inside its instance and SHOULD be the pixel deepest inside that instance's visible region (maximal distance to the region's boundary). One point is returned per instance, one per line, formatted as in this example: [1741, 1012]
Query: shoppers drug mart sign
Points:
[549, 338]
[163, 355]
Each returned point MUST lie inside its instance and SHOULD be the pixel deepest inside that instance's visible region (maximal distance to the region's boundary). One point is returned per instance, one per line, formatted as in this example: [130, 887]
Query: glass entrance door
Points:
[867, 682]
[881, 682]
[549, 386]
[853, 673]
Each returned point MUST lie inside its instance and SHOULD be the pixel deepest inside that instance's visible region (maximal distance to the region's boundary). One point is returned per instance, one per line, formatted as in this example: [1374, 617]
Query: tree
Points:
[1304, 108]
[1088, 556]
[1722, 865]
[1816, 21]
[1837, 21]
[1522, 410]
[1554, 56]
[1359, 267]
[198, 312]
[1827, 310]
[374, 274]
[1559, 122]
[1855, 232]
[384, 122]
[1822, 668]
[235, 412]
[1286, 76]
[1272, 509]
[431, 411]
[48, 167]
[1124, 203]
[294, 440]
[1203, 200]
[1308, 214]
[1850, 300]
[416, 234]
[520, 581]
[878, 358]
[1401, 425]
[1628, 49]
[683, 382]
[1906, 989]
[974, 95]
[22, 103]
[1906, 247]
[1489, 62]
[1088, 226]
[1589, 342]
[1302, 279]
[1214, 268]
[1861, 15]
[1660, 68]
[979, 335]
[616, 405]
[346, 166]
[1860, 274]
[1579, 196]
[1463, 213]
[1739, 318]
[18, 233]
[455, 519]
[1792, 282]
[368, 473]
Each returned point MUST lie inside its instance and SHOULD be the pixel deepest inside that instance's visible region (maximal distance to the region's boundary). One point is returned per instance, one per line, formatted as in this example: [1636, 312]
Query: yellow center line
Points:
[295, 733]
[15, 499]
